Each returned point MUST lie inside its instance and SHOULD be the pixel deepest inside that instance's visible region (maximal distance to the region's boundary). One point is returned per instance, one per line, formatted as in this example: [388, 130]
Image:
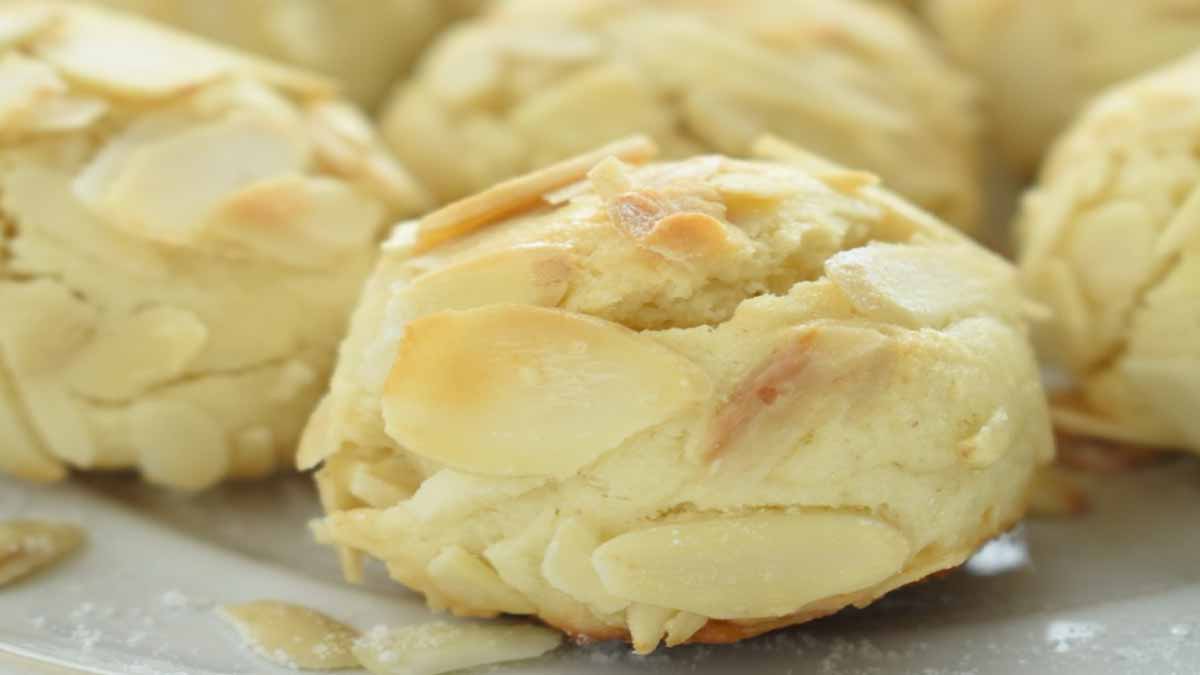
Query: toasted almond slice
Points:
[534, 274]
[753, 566]
[296, 220]
[475, 587]
[168, 188]
[28, 546]
[94, 182]
[1183, 227]
[442, 647]
[131, 355]
[568, 566]
[683, 626]
[693, 236]
[923, 286]
[514, 390]
[293, 635]
[609, 178]
[517, 194]
[647, 626]
[1171, 387]
[848, 182]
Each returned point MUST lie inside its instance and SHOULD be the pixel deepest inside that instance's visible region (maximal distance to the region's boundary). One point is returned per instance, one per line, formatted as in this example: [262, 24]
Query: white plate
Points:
[1117, 591]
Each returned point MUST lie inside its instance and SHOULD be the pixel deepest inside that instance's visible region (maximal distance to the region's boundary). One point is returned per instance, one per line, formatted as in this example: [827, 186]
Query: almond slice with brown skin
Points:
[517, 194]
[752, 566]
[514, 390]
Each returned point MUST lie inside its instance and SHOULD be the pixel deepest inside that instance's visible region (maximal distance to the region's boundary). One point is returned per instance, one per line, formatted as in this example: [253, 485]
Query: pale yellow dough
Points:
[535, 81]
[182, 232]
[687, 401]
[363, 44]
[1110, 240]
[1041, 61]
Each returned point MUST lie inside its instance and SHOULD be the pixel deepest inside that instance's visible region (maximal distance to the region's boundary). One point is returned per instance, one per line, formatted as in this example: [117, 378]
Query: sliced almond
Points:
[442, 647]
[23, 454]
[683, 626]
[296, 220]
[450, 496]
[134, 353]
[534, 274]
[65, 113]
[382, 484]
[818, 361]
[44, 326]
[29, 546]
[754, 566]
[178, 444]
[474, 586]
[924, 286]
[513, 390]
[293, 635]
[167, 188]
[1171, 387]
[609, 178]
[647, 626]
[694, 236]
[517, 194]
[128, 57]
[568, 566]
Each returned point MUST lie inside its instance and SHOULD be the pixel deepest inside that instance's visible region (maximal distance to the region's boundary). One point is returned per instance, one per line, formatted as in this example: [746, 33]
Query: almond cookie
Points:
[1110, 240]
[535, 81]
[689, 401]
[365, 46]
[182, 231]
[1041, 61]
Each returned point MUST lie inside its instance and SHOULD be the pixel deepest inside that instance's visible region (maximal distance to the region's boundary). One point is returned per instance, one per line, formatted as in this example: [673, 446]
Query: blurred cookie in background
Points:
[1040, 61]
[1110, 242]
[535, 81]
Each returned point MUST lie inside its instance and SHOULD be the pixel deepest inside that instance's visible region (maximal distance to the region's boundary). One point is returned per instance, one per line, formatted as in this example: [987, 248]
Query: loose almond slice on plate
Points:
[442, 647]
[27, 546]
[294, 636]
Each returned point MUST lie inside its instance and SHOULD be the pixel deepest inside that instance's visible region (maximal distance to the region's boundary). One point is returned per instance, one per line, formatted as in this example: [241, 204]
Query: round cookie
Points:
[1041, 61]
[365, 46]
[1110, 241]
[697, 400]
[535, 81]
[182, 232]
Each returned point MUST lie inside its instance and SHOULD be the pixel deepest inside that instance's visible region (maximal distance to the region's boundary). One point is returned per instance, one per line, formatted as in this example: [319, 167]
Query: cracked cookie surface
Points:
[689, 401]
[184, 228]
[1110, 240]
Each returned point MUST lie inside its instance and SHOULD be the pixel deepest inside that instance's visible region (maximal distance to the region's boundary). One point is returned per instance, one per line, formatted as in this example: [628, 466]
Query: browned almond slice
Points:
[517, 194]
[512, 390]
[28, 546]
[294, 636]
[442, 647]
[753, 566]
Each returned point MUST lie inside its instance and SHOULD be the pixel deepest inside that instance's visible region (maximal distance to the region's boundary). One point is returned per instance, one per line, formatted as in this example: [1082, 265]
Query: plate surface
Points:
[1115, 591]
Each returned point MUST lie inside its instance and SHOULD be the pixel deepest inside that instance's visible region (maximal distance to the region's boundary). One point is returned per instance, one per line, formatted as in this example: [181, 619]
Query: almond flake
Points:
[549, 391]
[28, 546]
[294, 636]
[517, 194]
[752, 566]
[442, 647]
